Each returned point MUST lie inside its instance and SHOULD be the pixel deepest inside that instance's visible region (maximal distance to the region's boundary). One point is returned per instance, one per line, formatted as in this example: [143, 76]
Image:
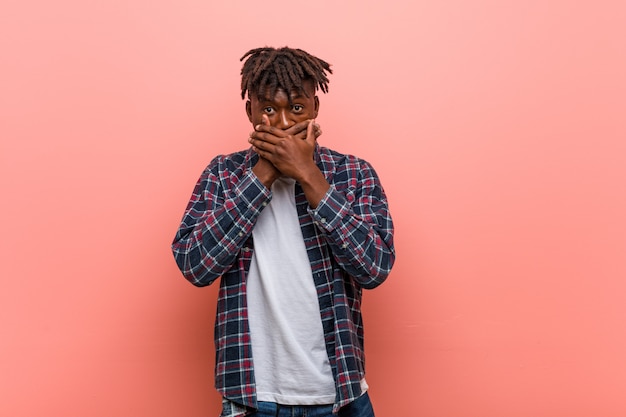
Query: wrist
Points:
[315, 186]
[265, 172]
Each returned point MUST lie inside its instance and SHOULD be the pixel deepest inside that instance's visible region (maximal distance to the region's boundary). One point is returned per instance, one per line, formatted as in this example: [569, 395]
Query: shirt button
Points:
[240, 234]
[264, 203]
[323, 219]
[345, 245]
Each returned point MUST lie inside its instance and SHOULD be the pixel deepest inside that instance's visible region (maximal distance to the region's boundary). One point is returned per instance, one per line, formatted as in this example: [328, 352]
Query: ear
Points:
[317, 106]
[249, 110]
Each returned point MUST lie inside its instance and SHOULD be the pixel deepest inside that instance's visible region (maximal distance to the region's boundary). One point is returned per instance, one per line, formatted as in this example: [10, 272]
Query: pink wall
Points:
[498, 129]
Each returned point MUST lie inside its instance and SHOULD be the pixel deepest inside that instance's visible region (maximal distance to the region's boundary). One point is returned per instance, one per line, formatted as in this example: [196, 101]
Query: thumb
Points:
[310, 133]
[265, 120]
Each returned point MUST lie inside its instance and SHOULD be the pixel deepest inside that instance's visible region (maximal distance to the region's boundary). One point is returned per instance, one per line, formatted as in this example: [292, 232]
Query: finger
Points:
[268, 134]
[266, 126]
[255, 139]
[298, 128]
[310, 133]
[303, 126]
[316, 131]
[264, 139]
[265, 132]
[261, 153]
[260, 147]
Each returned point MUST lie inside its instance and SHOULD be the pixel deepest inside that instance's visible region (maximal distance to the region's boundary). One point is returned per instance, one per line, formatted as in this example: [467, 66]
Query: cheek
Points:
[256, 117]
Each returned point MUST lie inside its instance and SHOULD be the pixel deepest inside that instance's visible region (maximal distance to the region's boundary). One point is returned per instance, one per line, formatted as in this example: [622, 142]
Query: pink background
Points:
[498, 129]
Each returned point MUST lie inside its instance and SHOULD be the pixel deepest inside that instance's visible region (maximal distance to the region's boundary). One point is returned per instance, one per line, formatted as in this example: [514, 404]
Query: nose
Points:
[284, 121]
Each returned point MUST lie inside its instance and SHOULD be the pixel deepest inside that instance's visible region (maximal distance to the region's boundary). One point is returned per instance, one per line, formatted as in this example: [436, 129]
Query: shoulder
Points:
[231, 160]
[228, 163]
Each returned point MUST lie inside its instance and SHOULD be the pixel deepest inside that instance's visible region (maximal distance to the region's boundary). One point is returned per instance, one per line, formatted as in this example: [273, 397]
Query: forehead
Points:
[307, 91]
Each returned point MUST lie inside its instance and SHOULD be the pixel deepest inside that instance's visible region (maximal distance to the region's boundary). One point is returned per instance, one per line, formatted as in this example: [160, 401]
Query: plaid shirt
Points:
[349, 242]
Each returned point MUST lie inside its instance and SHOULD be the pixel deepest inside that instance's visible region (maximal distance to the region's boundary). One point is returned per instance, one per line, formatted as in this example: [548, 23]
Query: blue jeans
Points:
[361, 407]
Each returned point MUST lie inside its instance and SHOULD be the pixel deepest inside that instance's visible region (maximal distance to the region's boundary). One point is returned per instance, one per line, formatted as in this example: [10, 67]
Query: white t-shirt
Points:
[290, 361]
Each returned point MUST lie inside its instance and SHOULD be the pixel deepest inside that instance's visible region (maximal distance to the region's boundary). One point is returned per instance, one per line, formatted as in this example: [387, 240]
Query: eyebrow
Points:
[292, 97]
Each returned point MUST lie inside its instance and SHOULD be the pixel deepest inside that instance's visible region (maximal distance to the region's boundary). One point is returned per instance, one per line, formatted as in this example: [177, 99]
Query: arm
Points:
[220, 215]
[357, 225]
[218, 221]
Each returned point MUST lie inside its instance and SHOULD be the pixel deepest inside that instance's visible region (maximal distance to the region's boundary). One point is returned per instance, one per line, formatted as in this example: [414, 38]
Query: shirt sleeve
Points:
[217, 222]
[357, 225]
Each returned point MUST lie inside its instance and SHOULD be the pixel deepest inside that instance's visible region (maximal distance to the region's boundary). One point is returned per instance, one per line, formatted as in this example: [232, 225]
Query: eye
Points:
[268, 110]
[297, 108]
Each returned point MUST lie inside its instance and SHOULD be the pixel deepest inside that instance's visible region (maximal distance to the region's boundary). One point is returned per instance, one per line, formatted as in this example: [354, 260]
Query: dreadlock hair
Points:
[267, 69]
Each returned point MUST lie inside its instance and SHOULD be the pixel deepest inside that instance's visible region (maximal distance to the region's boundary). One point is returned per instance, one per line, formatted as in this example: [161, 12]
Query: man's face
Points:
[281, 111]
